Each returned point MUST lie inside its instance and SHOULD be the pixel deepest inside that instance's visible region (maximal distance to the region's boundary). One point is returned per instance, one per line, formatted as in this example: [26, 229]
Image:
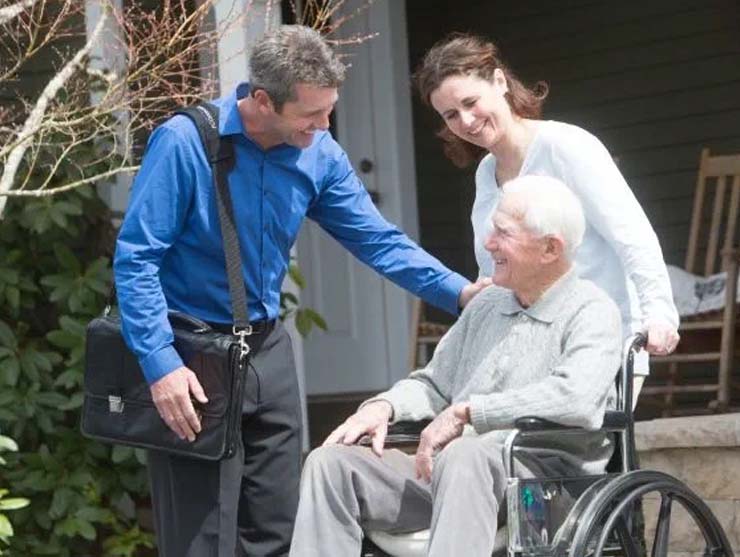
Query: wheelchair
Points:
[586, 516]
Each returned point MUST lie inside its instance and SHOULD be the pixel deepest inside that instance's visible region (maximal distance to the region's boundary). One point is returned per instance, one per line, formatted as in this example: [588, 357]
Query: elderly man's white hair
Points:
[549, 208]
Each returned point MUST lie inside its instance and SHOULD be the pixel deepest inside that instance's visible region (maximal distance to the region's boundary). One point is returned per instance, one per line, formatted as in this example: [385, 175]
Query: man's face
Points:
[516, 251]
[299, 119]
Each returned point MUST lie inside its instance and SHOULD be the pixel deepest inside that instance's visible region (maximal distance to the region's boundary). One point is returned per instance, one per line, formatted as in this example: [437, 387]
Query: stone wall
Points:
[704, 453]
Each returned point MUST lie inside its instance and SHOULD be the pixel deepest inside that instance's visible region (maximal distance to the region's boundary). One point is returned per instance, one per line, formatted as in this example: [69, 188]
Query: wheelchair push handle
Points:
[638, 341]
[633, 345]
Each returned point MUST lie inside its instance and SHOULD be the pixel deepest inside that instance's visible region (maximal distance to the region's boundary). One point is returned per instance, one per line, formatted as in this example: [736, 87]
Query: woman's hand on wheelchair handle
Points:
[372, 419]
[662, 338]
[446, 427]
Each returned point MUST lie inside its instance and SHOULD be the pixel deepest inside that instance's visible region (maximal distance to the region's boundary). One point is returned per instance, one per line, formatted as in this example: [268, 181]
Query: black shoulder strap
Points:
[220, 153]
[205, 118]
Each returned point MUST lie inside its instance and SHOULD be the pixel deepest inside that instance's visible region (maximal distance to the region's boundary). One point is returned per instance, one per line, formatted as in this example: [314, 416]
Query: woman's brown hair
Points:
[464, 54]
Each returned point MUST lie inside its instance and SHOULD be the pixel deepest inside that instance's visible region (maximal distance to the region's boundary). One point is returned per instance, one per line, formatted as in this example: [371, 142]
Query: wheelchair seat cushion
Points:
[414, 544]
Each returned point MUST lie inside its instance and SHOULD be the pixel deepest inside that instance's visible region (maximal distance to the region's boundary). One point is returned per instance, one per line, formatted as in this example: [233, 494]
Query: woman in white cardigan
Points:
[486, 109]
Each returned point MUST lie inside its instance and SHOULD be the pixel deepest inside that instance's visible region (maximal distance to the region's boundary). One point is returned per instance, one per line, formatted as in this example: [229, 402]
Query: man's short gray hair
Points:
[289, 55]
[550, 208]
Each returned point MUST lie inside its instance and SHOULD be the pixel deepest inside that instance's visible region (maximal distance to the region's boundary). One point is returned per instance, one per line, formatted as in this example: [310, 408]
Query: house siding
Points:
[655, 81]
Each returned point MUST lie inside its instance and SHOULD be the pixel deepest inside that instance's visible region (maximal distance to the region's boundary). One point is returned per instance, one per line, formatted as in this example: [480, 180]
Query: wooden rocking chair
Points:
[712, 247]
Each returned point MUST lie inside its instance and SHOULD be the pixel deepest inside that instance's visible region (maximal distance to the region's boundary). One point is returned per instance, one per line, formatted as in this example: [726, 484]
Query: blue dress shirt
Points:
[169, 252]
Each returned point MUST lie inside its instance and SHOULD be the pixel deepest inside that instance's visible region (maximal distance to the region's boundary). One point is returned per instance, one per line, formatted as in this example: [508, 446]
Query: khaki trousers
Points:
[347, 489]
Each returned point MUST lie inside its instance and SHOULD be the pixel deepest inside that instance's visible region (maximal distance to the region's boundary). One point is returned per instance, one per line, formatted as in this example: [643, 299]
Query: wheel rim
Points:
[612, 505]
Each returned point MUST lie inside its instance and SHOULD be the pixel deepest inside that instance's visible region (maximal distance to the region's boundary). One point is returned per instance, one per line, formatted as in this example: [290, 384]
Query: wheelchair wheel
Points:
[609, 517]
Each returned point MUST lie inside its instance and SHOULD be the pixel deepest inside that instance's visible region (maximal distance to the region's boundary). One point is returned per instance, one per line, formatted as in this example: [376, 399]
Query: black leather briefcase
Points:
[118, 406]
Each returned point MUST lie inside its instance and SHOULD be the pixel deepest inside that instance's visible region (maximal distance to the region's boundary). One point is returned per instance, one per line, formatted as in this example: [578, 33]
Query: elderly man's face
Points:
[516, 251]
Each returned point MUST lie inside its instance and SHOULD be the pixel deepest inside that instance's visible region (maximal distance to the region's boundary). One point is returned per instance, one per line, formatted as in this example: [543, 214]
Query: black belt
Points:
[263, 327]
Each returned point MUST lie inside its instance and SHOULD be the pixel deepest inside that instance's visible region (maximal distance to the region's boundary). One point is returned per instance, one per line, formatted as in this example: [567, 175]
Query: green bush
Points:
[54, 277]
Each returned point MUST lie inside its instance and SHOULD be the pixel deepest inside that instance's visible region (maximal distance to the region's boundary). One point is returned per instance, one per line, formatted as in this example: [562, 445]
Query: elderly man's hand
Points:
[662, 338]
[444, 428]
[372, 419]
[171, 395]
[471, 290]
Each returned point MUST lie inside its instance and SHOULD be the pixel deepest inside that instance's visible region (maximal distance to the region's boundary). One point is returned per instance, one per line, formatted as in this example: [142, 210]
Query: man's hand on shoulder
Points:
[171, 396]
[447, 426]
[372, 419]
[471, 290]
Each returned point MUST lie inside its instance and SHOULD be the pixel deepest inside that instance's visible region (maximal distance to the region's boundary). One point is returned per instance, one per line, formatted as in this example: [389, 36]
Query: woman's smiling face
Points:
[473, 108]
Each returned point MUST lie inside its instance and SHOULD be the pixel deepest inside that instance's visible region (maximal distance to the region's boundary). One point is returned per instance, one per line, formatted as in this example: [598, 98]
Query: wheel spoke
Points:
[626, 539]
[663, 527]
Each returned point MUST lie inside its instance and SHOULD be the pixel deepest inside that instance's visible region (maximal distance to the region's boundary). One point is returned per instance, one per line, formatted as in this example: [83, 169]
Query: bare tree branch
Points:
[33, 122]
[73, 185]
[9, 12]
[80, 128]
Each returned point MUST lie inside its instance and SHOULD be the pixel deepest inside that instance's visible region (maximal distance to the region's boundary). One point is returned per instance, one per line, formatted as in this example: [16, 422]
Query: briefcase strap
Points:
[220, 151]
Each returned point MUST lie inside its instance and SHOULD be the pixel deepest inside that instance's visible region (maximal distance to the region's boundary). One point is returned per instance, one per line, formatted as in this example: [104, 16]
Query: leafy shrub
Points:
[54, 277]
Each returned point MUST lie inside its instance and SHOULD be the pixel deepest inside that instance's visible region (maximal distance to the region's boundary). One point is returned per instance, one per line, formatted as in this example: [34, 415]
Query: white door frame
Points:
[396, 168]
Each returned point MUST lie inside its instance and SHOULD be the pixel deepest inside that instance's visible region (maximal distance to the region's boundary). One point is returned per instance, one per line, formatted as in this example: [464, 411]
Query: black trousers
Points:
[245, 505]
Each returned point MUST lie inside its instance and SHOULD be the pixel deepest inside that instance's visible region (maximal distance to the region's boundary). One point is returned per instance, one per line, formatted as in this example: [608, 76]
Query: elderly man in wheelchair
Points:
[540, 342]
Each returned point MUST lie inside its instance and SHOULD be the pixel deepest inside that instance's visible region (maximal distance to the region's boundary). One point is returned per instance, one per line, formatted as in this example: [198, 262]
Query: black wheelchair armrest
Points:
[408, 428]
[532, 423]
[400, 433]
[405, 433]
[613, 421]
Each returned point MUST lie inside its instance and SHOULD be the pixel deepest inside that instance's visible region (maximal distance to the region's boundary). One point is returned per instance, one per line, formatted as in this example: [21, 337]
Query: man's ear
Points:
[263, 100]
[554, 249]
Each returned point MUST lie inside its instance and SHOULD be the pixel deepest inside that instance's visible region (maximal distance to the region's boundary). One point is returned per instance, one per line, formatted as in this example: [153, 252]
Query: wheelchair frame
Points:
[607, 518]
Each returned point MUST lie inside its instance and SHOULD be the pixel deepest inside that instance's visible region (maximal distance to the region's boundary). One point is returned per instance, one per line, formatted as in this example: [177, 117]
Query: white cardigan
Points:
[620, 251]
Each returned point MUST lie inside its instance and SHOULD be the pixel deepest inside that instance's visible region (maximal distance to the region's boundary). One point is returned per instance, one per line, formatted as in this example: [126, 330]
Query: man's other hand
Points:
[444, 428]
[469, 292]
[171, 396]
[372, 419]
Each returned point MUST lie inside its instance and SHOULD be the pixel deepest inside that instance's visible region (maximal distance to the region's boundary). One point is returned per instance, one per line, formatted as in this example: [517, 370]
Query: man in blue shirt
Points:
[169, 255]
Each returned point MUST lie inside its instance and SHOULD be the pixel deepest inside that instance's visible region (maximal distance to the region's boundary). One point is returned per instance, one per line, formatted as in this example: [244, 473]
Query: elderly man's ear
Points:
[554, 249]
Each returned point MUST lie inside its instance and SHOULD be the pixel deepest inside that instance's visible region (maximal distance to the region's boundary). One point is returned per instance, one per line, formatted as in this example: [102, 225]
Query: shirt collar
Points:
[546, 308]
[230, 121]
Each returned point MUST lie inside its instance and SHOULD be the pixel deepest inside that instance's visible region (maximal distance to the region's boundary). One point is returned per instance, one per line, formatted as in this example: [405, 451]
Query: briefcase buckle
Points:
[115, 404]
